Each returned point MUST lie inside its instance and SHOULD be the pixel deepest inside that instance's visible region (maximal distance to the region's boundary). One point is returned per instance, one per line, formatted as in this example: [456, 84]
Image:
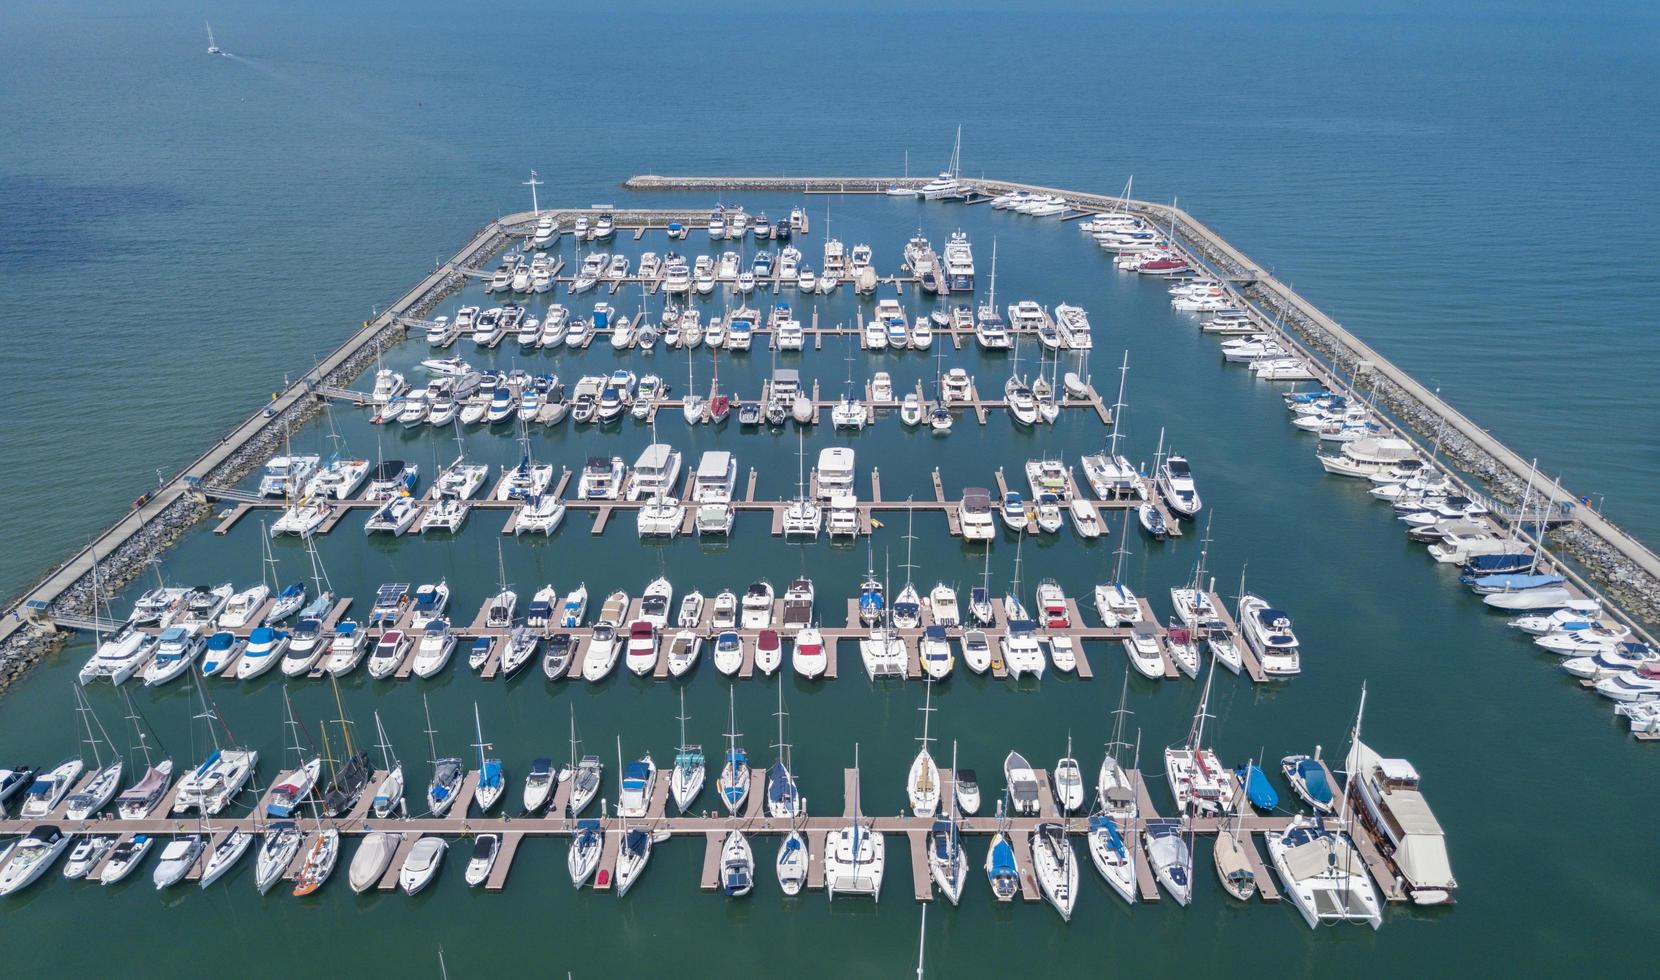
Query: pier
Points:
[516, 831]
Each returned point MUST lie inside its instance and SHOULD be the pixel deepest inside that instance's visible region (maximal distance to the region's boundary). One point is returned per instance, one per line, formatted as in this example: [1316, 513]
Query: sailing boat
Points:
[294, 787]
[491, 779]
[324, 601]
[734, 773]
[1109, 474]
[907, 605]
[945, 852]
[686, 779]
[1069, 781]
[106, 779]
[1233, 867]
[585, 775]
[1323, 873]
[635, 851]
[213, 46]
[324, 851]
[447, 773]
[1115, 602]
[854, 856]
[720, 406]
[1001, 872]
[1114, 856]
[141, 799]
[349, 781]
[922, 785]
[802, 518]
[784, 800]
[693, 406]
[388, 798]
[1197, 779]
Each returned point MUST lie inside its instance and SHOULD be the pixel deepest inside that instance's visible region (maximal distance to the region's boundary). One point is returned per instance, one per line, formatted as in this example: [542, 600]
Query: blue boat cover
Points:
[1313, 776]
[1102, 822]
[1509, 562]
[1002, 860]
[1510, 582]
[1257, 788]
[492, 773]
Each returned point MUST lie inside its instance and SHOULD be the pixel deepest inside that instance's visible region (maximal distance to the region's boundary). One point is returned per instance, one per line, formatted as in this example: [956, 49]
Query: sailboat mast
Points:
[432, 736]
[1118, 405]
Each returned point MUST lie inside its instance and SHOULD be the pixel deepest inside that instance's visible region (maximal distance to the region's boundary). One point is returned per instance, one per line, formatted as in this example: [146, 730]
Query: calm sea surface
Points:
[1473, 196]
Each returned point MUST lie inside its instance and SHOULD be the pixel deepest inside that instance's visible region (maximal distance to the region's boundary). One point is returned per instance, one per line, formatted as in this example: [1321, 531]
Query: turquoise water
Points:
[185, 230]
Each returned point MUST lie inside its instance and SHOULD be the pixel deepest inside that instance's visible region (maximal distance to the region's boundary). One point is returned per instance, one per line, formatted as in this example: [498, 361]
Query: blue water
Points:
[1473, 194]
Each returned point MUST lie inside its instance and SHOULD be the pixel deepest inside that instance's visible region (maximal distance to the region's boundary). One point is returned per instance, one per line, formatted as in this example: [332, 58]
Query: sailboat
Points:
[584, 773]
[784, 799]
[324, 851]
[388, 798]
[791, 863]
[106, 779]
[1056, 865]
[1233, 867]
[1321, 871]
[635, 851]
[1115, 602]
[213, 46]
[854, 856]
[737, 865]
[802, 518]
[946, 859]
[447, 773]
[492, 780]
[1110, 475]
[1001, 871]
[348, 782]
[686, 779]
[294, 787]
[1197, 779]
[922, 785]
[141, 799]
[734, 773]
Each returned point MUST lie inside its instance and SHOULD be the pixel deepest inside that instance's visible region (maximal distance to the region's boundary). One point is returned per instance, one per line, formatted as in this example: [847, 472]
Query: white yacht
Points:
[1142, 647]
[286, 476]
[602, 478]
[656, 473]
[1268, 633]
[1022, 654]
[974, 515]
[835, 471]
[1326, 878]
[1411, 838]
[756, 608]
[1175, 484]
[29, 858]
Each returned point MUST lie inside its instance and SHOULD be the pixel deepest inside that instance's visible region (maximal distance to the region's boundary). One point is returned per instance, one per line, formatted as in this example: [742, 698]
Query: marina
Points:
[1019, 531]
